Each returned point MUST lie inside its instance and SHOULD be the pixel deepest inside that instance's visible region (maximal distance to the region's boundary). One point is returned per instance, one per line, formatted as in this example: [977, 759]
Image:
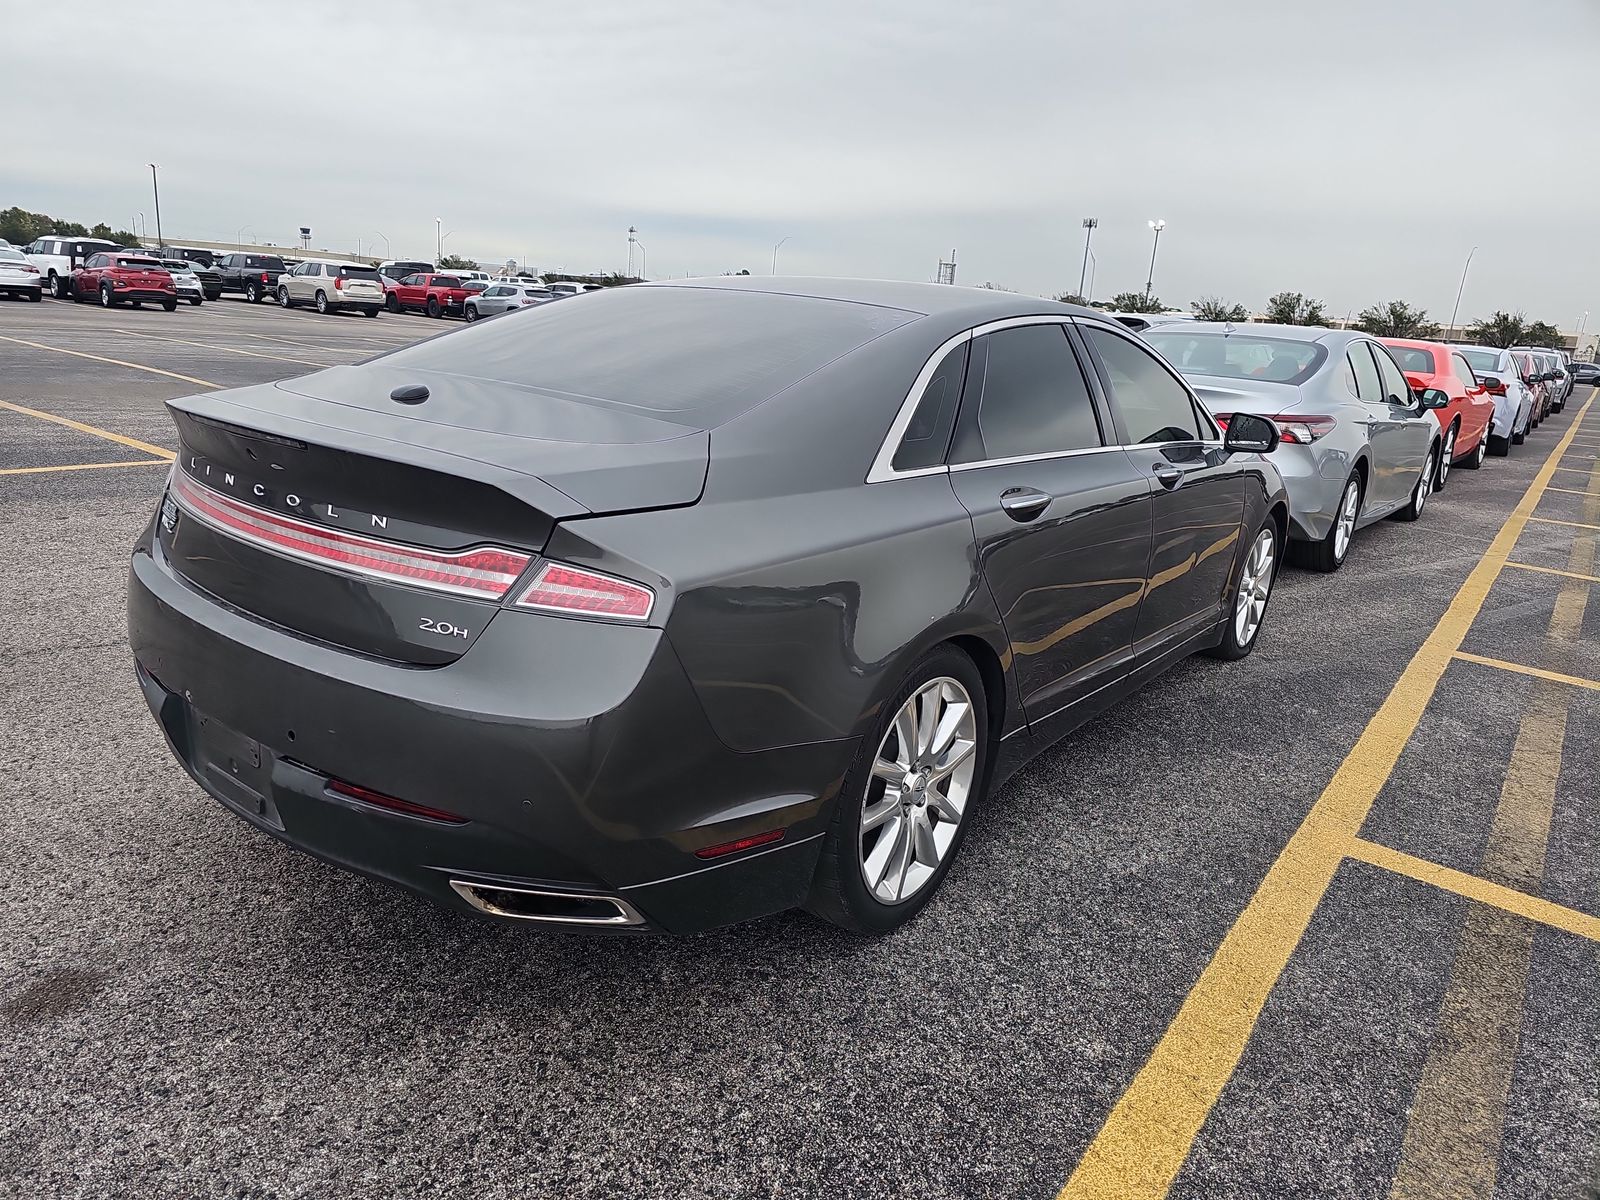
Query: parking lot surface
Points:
[1321, 923]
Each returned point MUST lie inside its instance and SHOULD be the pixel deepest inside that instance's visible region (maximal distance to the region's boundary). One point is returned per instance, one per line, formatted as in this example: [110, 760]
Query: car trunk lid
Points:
[395, 530]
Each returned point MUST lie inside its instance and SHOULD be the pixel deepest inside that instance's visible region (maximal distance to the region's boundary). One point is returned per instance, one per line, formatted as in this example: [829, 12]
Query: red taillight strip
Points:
[487, 573]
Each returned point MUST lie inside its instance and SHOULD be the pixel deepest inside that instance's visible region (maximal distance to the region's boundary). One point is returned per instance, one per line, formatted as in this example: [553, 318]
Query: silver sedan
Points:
[18, 276]
[504, 297]
[1357, 445]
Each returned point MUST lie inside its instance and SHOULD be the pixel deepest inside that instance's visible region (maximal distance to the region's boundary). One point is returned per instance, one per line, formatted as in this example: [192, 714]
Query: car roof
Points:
[336, 262]
[1288, 333]
[925, 299]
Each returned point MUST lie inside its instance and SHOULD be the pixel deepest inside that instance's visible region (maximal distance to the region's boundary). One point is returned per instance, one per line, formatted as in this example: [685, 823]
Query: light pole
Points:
[1577, 342]
[1090, 224]
[775, 249]
[1094, 265]
[632, 242]
[238, 235]
[1457, 309]
[386, 251]
[438, 240]
[156, 188]
[140, 226]
[643, 259]
[1158, 226]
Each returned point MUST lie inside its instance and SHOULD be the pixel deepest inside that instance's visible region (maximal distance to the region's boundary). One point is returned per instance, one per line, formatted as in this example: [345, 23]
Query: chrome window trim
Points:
[1028, 458]
[883, 462]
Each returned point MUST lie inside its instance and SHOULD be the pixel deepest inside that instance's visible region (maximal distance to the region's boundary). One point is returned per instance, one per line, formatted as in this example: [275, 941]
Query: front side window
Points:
[1395, 388]
[1032, 397]
[1155, 407]
[928, 436]
[97, 260]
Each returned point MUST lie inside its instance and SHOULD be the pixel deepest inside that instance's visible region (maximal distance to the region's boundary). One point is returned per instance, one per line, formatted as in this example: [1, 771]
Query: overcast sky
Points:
[1356, 151]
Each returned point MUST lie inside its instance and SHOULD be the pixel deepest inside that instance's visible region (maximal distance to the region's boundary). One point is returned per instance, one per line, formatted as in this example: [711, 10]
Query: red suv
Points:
[1467, 418]
[435, 295]
[115, 277]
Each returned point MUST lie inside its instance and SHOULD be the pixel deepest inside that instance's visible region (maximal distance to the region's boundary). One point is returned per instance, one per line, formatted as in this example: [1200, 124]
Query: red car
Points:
[1532, 379]
[435, 295]
[1468, 417]
[114, 277]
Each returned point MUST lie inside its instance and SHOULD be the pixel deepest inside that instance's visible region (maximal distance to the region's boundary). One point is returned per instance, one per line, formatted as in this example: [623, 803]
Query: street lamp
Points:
[156, 188]
[1090, 224]
[386, 252]
[238, 235]
[140, 227]
[1457, 309]
[1157, 226]
[1094, 265]
[438, 240]
[775, 249]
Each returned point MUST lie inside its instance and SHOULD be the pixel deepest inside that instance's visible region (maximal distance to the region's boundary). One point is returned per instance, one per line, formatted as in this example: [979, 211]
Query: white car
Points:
[1513, 401]
[56, 256]
[185, 280]
[18, 276]
[330, 286]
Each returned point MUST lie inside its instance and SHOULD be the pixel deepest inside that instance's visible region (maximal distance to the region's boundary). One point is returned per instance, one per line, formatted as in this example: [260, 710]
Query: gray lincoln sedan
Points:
[678, 604]
[1357, 445]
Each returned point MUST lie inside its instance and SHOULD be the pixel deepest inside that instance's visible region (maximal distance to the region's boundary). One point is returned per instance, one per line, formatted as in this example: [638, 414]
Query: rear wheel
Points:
[194, 301]
[170, 305]
[322, 302]
[391, 303]
[36, 296]
[1423, 489]
[470, 313]
[371, 312]
[1329, 554]
[433, 306]
[1499, 446]
[902, 812]
[1250, 597]
[252, 293]
[58, 286]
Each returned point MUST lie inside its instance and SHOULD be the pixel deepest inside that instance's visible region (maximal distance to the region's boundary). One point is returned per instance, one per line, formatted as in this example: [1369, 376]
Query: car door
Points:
[1061, 517]
[86, 280]
[1410, 431]
[1385, 484]
[1480, 405]
[1197, 493]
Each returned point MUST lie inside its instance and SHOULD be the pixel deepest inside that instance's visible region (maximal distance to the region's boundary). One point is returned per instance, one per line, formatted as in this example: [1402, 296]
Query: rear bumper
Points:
[576, 750]
[153, 295]
[1314, 478]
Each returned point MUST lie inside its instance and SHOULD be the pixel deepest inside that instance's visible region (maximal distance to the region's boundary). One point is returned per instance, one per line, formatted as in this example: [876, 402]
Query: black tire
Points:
[391, 303]
[433, 306]
[170, 305]
[1518, 438]
[1500, 447]
[36, 296]
[283, 297]
[252, 294]
[1475, 460]
[1447, 456]
[1325, 556]
[1422, 490]
[107, 300]
[470, 313]
[59, 288]
[194, 301]
[1231, 648]
[371, 312]
[838, 892]
[321, 302]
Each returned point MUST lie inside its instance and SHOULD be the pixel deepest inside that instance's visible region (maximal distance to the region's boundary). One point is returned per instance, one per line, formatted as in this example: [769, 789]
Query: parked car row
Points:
[798, 577]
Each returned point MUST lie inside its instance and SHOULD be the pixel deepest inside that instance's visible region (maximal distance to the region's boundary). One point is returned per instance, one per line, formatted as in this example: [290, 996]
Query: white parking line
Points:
[156, 337]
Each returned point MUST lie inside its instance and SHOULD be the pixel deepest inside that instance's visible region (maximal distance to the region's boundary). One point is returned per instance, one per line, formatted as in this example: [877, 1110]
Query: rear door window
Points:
[1032, 397]
[1369, 388]
[1395, 388]
[1155, 407]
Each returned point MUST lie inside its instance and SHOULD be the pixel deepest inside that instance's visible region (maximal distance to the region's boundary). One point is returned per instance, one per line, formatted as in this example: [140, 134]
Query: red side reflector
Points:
[747, 843]
[393, 803]
[487, 573]
[559, 588]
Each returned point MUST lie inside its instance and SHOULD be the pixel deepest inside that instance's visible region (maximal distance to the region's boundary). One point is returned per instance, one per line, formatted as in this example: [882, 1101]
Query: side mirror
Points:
[1492, 382]
[1435, 398]
[1250, 434]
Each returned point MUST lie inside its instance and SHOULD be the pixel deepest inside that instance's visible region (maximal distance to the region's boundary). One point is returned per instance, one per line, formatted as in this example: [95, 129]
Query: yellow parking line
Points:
[1554, 571]
[229, 349]
[116, 362]
[133, 443]
[1536, 672]
[1148, 1133]
[1534, 908]
[140, 462]
[1572, 524]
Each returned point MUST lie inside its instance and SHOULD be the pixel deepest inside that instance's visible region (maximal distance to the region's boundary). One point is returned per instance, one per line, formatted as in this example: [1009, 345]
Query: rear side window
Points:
[1155, 407]
[1463, 370]
[1031, 394]
[1368, 387]
[697, 355]
[927, 438]
[1395, 388]
[1413, 359]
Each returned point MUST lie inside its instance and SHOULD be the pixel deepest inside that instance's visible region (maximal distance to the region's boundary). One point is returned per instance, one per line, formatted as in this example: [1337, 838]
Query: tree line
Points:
[19, 227]
[1394, 318]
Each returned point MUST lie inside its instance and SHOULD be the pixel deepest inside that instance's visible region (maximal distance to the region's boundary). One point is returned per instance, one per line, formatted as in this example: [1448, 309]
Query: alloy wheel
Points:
[1483, 449]
[1447, 455]
[1345, 522]
[1424, 485]
[1255, 583]
[922, 777]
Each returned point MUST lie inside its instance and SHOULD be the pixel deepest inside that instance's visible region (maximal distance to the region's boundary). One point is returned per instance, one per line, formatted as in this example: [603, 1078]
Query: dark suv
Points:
[254, 276]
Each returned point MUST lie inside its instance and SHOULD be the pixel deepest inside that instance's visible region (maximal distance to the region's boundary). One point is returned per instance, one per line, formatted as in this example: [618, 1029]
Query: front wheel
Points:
[1479, 452]
[170, 305]
[902, 812]
[371, 312]
[107, 300]
[194, 301]
[283, 298]
[1424, 488]
[1447, 457]
[1329, 554]
[1250, 597]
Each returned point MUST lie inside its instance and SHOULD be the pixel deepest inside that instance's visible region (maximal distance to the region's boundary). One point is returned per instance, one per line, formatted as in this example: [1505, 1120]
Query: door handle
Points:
[1024, 503]
[1170, 477]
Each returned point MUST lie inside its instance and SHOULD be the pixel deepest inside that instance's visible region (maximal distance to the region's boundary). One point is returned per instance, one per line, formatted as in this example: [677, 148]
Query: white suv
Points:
[331, 286]
[56, 256]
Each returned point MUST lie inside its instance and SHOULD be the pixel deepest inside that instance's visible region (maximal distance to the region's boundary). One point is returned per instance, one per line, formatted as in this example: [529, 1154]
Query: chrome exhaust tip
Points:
[555, 908]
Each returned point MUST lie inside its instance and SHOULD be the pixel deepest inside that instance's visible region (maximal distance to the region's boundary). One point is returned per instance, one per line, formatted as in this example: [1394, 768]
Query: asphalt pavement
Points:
[1112, 994]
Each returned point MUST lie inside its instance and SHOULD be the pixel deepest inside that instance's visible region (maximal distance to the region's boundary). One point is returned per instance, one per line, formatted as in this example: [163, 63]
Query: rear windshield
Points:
[203, 257]
[173, 264]
[141, 264]
[446, 281]
[1238, 356]
[267, 262]
[358, 273]
[1482, 360]
[697, 356]
[1410, 358]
